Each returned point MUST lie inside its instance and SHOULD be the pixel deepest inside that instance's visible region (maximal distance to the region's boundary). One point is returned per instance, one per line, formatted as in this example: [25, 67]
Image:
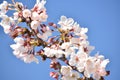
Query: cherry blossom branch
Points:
[69, 44]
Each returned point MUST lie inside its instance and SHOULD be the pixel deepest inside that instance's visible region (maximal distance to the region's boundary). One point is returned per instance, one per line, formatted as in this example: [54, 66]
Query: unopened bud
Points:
[55, 65]
[54, 75]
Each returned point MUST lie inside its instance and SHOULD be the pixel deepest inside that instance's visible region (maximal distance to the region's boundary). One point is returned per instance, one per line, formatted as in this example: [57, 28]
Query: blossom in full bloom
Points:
[100, 65]
[6, 23]
[34, 24]
[78, 60]
[66, 23]
[21, 51]
[42, 17]
[39, 11]
[95, 66]
[3, 7]
[80, 31]
[35, 16]
[66, 70]
[30, 58]
[73, 76]
[49, 52]
[89, 67]
[66, 46]
[68, 74]
[85, 47]
[26, 13]
[19, 40]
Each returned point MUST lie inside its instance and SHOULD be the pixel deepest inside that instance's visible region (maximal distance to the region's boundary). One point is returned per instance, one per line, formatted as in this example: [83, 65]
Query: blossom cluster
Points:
[66, 41]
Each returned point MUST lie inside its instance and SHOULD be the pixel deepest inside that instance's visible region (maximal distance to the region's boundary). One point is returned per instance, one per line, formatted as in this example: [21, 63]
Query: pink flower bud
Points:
[54, 75]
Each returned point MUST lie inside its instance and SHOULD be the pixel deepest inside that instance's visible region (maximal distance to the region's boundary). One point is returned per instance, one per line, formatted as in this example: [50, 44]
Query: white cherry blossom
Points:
[39, 11]
[59, 53]
[30, 58]
[83, 37]
[35, 24]
[18, 47]
[19, 40]
[74, 76]
[20, 51]
[89, 67]
[65, 45]
[78, 60]
[66, 23]
[68, 48]
[35, 16]
[6, 23]
[84, 30]
[40, 4]
[43, 16]
[26, 13]
[100, 65]
[7, 29]
[85, 47]
[65, 70]
[68, 74]
[95, 66]
[3, 7]
[6, 20]
[49, 52]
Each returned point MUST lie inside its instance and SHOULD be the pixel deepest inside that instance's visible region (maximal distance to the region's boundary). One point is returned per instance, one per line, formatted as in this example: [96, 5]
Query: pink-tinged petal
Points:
[26, 13]
[19, 40]
[35, 24]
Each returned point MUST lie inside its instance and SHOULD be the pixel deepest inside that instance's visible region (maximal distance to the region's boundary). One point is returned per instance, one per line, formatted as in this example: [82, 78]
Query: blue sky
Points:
[101, 17]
